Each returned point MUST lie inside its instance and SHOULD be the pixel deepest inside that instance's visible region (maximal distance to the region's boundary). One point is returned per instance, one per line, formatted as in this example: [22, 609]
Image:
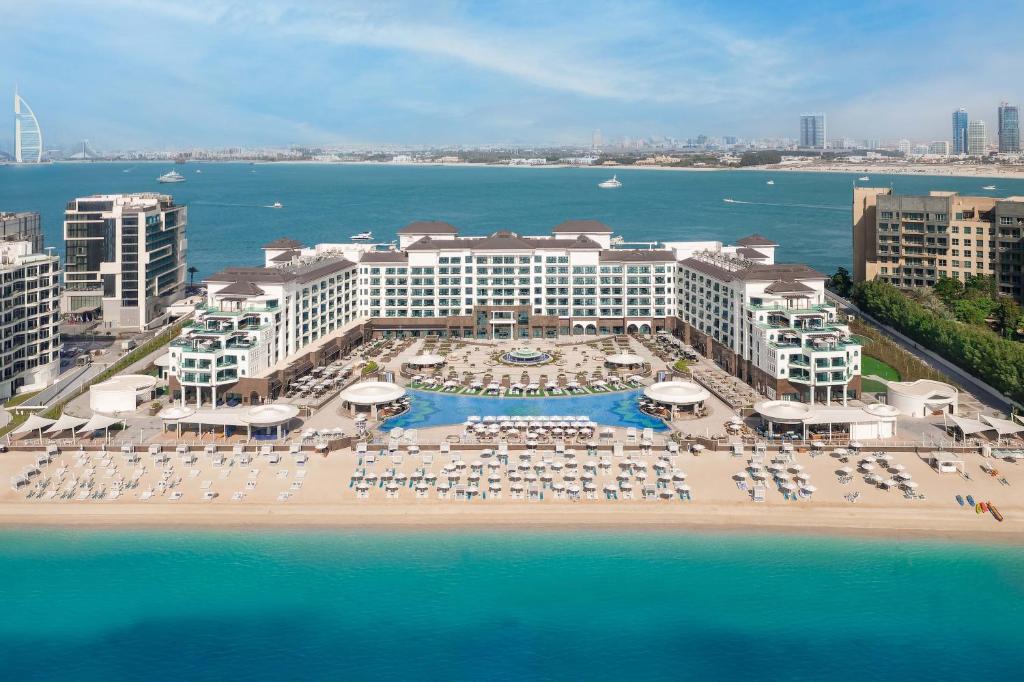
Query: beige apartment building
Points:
[913, 241]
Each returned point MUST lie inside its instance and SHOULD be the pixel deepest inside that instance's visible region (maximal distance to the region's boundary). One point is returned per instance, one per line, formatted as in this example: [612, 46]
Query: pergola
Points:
[371, 394]
[684, 396]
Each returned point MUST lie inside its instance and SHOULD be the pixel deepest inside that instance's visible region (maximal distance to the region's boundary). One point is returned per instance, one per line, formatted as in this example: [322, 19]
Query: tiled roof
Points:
[783, 287]
[584, 226]
[284, 257]
[283, 243]
[756, 240]
[637, 255]
[760, 272]
[242, 288]
[429, 227]
[305, 272]
[383, 257]
[503, 241]
[750, 254]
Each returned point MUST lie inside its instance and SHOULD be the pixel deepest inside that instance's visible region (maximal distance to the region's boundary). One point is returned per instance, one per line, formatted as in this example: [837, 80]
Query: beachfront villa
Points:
[767, 323]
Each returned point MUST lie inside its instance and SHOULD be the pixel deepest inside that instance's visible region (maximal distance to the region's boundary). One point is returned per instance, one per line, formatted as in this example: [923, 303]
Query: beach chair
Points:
[618, 450]
[631, 435]
[759, 493]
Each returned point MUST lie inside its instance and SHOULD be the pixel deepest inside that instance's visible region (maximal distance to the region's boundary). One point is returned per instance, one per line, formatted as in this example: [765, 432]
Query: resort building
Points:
[913, 241]
[28, 137]
[23, 226]
[766, 323]
[124, 259]
[29, 338]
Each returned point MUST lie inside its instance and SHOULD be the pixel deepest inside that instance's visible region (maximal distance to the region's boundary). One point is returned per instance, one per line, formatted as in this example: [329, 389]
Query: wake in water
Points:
[765, 203]
[217, 203]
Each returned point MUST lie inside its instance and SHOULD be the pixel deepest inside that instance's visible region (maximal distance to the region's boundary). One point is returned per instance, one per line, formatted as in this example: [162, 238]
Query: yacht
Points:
[173, 176]
[989, 187]
[729, 201]
[362, 236]
[770, 182]
[610, 184]
[277, 204]
[863, 178]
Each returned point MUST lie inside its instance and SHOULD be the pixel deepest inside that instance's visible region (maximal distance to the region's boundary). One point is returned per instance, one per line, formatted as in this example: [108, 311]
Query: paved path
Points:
[982, 391]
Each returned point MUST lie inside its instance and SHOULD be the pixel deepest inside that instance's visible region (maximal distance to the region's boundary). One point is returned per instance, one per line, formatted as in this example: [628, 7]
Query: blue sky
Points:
[158, 74]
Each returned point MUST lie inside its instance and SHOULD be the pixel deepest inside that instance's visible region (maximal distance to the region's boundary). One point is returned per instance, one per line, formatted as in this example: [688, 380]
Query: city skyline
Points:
[271, 73]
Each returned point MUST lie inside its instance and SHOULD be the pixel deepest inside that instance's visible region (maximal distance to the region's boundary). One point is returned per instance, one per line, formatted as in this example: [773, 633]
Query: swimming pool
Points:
[438, 409]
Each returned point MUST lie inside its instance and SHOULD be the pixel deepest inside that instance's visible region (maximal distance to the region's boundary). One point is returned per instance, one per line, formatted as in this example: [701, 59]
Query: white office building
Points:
[29, 337]
[124, 259]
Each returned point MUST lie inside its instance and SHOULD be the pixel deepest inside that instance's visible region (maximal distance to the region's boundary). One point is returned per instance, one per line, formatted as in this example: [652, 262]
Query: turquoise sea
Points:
[229, 218]
[282, 605]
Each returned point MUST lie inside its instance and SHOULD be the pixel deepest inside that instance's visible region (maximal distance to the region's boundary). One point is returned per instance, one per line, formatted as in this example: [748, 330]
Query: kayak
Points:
[984, 507]
[970, 500]
[960, 500]
[995, 512]
[977, 508]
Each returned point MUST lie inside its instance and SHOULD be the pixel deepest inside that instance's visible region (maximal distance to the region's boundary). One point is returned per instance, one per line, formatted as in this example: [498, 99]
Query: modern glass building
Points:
[977, 138]
[960, 131]
[1009, 128]
[812, 131]
[28, 138]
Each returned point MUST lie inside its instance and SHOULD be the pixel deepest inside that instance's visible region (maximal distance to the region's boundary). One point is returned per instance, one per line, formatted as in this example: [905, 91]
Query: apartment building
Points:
[913, 241]
[125, 259]
[29, 338]
[306, 304]
[23, 226]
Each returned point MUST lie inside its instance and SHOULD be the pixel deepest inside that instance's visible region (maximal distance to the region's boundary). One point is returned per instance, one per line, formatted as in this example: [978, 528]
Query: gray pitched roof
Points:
[283, 243]
[301, 273]
[749, 253]
[584, 226]
[784, 287]
[759, 272]
[429, 227]
[637, 255]
[503, 241]
[384, 257]
[242, 288]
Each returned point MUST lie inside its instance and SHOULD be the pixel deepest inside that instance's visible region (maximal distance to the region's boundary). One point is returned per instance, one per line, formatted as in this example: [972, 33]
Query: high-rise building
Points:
[903, 147]
[125, 258]
[914, 241]
[22, 227]
[940, 147]
[28, 138]
[977, 142]
[597, 140]
[29, 336]
[960, 131]
[1009, 128]
[812, 131]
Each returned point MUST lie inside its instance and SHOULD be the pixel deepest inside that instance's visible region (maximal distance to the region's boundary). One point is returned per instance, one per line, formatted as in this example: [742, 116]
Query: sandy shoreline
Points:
[819, 520]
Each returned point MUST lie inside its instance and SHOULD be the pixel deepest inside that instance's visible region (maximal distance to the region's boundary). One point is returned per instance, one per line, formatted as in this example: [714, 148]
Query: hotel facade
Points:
[262, 327]
[125, 259]
[913, 241]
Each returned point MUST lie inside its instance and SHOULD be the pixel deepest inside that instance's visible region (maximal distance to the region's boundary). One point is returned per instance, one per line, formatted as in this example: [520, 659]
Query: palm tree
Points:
[192, 270]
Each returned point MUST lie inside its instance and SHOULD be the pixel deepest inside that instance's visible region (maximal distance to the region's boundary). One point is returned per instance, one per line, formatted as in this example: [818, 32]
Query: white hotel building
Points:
[263, 326]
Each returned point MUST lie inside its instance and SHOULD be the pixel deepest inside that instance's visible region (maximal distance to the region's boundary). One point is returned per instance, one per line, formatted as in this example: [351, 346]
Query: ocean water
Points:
[115, 605]
[229, 218]
[430, 408]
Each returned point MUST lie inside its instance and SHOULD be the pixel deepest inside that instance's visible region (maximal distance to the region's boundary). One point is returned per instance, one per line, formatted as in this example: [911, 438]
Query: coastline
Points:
[821, 520]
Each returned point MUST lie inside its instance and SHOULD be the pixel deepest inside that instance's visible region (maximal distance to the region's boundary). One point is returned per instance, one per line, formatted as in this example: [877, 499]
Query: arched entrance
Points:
[577, 329]
[591, 330]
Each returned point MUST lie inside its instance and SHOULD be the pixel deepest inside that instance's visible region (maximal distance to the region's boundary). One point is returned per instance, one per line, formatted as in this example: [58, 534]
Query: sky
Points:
[151, 74]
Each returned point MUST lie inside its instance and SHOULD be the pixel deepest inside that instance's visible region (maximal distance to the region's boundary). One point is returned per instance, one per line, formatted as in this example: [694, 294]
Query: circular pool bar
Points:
[525, 356]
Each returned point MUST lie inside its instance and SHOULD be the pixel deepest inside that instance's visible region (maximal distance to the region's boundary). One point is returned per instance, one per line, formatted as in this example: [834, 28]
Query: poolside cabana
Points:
[427, 360]
[677, 397]
[371, 396]
[624, 360]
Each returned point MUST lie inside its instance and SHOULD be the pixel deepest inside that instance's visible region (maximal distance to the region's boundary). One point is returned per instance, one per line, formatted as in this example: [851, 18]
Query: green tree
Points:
[973, 310]
[1009, 317]
[949, 289]
[980, 286]
[192, 270]
[841, 282]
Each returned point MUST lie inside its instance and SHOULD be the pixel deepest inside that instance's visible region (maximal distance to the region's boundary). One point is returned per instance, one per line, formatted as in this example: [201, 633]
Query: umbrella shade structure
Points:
[98, 422]
[66, 422]
[33, 423]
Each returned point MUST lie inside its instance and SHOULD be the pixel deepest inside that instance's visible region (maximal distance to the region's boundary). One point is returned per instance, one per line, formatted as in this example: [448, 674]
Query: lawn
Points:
[875, 366]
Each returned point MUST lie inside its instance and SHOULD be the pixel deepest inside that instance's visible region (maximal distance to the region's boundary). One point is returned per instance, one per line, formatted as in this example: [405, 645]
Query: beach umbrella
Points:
[808, 488]
[742, 475]
[867, 466]
[910, 484]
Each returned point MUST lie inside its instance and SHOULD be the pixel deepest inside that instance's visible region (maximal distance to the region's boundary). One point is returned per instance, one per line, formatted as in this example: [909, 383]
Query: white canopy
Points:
[99, 422]
[372, 393]
[426, 360]
[969, 426]
[1004, 427]
[628, 359]
[677, 393]
[33, 423]
[66, 422]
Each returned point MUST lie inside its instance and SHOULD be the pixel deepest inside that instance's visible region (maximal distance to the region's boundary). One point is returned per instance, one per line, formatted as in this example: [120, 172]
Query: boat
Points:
[729, 201]
[362, 236]
[173, 176]
[863, 178]
[277, 204]
[198, 171]
[995, 512]
[770, 182]
[610, 184]
[960, 500]
[977, 508]
[989, 187]
[970, 500]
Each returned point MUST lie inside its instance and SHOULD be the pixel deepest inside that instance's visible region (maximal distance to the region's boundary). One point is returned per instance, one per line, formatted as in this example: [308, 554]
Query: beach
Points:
[326, 498]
